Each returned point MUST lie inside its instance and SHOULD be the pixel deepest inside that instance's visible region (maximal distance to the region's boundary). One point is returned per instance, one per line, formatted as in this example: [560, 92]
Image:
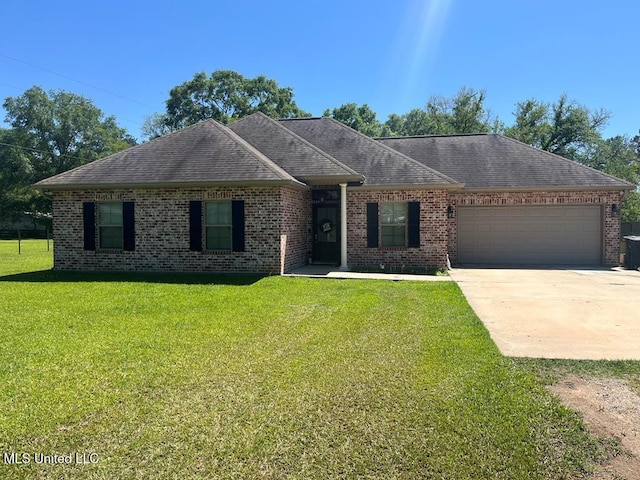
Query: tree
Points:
[360, 118]
[617, 156]
[393, 126]
[463, 113]
[155, 125]
[620, 156]
[565, 127]
[62, 130]
[224, 96]
[15, 175]
[51, 133]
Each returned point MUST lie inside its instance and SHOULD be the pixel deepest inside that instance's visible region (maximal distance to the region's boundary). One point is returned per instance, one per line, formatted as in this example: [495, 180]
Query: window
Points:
[110, 231]
[393, 224]
[109, 226]
[218, 225]
[223, 224]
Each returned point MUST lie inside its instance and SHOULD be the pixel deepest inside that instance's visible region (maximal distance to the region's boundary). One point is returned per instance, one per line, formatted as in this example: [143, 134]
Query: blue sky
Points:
[127, 55]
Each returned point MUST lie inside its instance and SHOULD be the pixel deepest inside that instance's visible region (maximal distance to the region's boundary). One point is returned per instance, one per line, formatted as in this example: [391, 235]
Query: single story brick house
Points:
[262, 195]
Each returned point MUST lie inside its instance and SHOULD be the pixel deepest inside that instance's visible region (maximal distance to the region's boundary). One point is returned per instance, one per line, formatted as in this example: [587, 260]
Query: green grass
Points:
[551, 371]
[205, 376]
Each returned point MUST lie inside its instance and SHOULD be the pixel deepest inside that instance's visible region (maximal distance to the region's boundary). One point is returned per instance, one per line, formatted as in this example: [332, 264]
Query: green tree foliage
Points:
[620, 156]
[630, 207]
[360, 118]
[51, 133]
[62, 130]
[565, 127]
[224, 96]
[617, 156]
[415, 122]
[463, 113]
[573, 131]
[155, 125]
[15, 168]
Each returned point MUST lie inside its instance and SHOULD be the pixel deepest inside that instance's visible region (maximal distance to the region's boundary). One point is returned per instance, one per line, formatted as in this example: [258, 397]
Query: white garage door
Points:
[530, 235]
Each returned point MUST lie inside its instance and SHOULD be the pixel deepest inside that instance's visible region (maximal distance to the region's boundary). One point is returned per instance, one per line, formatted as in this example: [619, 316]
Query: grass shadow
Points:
[53, 276]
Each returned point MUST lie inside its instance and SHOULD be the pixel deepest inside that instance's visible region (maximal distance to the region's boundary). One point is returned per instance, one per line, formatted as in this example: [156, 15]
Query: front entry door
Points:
[326, 244]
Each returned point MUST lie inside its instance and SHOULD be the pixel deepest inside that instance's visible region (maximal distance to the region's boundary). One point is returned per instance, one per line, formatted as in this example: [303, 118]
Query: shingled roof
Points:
[260, 151]
[301, 159]
[206, 153]
[492, 161]
[381, 166]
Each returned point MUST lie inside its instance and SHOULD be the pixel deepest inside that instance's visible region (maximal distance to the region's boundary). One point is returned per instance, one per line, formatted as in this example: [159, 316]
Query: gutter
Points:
[49, 188]
[590, 188]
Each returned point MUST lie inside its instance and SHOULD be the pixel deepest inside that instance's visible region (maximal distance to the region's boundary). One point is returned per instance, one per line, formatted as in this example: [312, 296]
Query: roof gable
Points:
[380, 165]
[493, 161]
[291, 152]
[204, 153]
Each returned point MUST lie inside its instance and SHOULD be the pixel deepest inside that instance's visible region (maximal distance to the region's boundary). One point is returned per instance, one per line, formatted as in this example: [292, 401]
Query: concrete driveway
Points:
[557, 313]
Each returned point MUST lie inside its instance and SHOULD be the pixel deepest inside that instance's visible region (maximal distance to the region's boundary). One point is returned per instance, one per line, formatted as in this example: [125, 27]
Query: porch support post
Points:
[343, 227]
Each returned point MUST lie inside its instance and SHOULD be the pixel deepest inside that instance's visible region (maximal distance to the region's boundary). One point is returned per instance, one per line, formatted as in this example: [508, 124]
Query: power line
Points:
[75, 80]
[11, 86]
[86, 160]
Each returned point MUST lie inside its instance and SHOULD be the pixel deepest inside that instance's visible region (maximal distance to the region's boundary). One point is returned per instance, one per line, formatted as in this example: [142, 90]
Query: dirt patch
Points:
[609, 409]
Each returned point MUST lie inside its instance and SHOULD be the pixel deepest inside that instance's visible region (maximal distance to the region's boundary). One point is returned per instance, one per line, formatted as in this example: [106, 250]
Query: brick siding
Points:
[295, 211]
[272, 214]
[432, 252]
[278, 230]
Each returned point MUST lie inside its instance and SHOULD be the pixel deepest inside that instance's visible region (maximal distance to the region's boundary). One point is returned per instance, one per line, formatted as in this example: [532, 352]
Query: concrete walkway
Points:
[324, 271]
[586, 314]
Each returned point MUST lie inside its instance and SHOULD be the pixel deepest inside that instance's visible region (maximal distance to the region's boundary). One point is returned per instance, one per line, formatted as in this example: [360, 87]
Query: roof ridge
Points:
[306, 143]
[270, 164]
[436, 135]
[396, 152]
[302, 140]
[566, 160]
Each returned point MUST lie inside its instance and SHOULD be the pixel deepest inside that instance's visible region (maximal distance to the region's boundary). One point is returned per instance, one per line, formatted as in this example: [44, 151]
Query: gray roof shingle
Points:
[258, 150]
[204, 153]
[380, 165]
[492, 161]
[294, 154]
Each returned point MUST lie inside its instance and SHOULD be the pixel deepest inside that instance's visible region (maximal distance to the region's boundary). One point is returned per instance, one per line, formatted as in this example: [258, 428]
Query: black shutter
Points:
[128, 227]
[413, 224]
[89, 225]
[237, 227]
[372, 225]
[195, 226]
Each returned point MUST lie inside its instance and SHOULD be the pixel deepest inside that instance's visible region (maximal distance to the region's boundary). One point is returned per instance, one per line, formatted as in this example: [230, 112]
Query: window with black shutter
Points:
[393, 224]
[217, 225]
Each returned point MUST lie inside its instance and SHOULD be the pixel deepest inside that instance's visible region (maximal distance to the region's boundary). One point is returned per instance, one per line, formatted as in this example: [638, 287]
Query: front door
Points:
[326, 244]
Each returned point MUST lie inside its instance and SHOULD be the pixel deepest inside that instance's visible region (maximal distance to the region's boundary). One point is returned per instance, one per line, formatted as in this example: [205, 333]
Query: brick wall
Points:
[295, 212]
[432, 252]
[611, 240]
[162, 231]
[278, 228]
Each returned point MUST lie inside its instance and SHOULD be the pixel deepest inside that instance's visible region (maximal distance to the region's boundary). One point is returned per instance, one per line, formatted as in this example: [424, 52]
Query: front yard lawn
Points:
[227, 377]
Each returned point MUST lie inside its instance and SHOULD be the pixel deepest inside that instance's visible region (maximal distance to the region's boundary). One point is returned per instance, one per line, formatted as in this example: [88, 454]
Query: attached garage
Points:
[530, 235]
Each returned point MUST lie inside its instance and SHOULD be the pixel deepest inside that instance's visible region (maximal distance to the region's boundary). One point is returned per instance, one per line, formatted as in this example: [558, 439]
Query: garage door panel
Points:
[530, 235]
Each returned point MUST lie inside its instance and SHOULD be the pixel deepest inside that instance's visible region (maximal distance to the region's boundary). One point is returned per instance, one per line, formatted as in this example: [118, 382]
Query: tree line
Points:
[51, 132]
